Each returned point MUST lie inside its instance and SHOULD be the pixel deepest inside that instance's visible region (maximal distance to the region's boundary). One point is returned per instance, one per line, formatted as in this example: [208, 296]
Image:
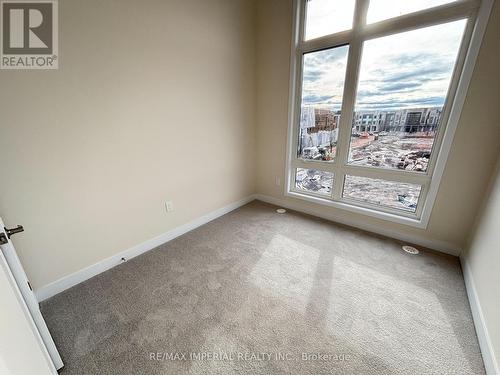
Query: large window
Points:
[373, 88]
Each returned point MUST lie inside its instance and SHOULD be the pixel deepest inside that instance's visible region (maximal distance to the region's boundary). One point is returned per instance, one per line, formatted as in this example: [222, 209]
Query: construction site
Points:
[400, 140]
[394, 195]
[397, 150]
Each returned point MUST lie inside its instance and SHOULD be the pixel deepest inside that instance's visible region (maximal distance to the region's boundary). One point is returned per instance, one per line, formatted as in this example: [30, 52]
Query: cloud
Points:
[403, 73]
[315, 99]
[401, 86]
[323, 77]
[311, 75]
[327, 56]
[383, 88]
[397, 104]
[420, 87]
[411, 69]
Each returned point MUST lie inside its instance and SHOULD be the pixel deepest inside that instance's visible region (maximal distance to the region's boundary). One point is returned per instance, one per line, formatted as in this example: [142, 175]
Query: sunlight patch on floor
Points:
[369, 306]
[286, 271]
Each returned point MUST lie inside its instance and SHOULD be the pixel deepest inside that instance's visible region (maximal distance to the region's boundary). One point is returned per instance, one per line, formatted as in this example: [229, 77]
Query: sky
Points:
[406, 70]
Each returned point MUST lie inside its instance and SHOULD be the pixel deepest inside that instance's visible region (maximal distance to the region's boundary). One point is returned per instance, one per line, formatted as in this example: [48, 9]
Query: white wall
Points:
[470, 163]
[481, 266]
[153, 101]
[181, 100]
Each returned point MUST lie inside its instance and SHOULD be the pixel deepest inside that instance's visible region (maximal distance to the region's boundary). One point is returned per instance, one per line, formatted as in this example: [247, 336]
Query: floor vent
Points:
[410, 250]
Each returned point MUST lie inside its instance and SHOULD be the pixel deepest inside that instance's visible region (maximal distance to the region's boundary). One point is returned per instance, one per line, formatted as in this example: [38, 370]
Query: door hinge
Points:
[30, 285]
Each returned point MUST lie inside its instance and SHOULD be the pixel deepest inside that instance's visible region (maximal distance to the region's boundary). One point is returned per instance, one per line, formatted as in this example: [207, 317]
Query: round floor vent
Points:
[410, 249]
[281, 210]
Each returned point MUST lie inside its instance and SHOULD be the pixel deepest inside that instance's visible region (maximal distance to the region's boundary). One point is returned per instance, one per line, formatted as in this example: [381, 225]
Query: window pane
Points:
[402, 88]
[324, 17]
[314, 181]
[322, 88]
[380, 10]
[385, 193]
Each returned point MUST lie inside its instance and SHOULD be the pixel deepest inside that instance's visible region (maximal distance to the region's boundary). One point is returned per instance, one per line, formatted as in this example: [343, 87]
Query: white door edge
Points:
[27, 313]
[30, 301]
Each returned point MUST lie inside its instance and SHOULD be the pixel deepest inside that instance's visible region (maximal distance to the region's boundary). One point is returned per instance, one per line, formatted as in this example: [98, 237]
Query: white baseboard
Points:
[68, 281]
[440, 246]
[490, 362]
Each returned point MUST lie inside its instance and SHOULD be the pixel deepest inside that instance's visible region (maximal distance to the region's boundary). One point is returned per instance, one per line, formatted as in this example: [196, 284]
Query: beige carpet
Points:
[255, 292]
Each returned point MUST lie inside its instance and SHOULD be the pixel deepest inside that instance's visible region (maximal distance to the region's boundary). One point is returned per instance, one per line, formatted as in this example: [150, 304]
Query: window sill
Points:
[412, 222]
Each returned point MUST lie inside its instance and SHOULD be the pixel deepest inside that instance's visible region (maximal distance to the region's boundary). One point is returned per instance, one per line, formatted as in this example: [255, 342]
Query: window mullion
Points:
[349, 97]
[386, 174]
[328, 41]
[356, 37]
[310, 164]
[424, 18]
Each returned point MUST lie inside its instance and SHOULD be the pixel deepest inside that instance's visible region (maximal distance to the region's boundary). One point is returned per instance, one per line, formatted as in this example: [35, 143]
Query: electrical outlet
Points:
[278, 181]
[169, 206]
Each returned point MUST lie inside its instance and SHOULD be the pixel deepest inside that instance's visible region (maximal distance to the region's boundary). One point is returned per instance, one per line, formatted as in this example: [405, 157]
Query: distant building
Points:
[369, 121]
[318, 127]
[405, 120]
[324, 119]
[416, 120]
